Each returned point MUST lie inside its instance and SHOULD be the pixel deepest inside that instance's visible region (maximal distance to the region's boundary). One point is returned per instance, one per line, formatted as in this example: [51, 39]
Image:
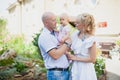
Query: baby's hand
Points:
[68, 40]
[65, 37]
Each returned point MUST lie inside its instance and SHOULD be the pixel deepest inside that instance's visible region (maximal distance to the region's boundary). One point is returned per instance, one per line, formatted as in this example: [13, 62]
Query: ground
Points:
[113, 69]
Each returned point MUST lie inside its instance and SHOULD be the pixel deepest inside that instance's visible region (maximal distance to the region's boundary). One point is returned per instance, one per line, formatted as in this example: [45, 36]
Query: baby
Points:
[64, 31]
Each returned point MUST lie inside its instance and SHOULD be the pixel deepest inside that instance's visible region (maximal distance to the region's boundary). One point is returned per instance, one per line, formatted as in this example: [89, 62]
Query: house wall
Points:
[13, 24]
[31, 17]
[109, 11]
[26, 17]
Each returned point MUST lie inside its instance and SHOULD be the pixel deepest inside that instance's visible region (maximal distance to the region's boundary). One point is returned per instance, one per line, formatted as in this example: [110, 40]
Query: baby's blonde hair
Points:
[65, 16]
[88, 21]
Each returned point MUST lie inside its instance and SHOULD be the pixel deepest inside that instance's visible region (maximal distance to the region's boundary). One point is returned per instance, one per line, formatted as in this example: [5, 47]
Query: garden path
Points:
[113, 69]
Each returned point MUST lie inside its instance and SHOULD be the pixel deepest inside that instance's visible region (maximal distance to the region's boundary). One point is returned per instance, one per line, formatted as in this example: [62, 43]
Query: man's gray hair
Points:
[46, 16]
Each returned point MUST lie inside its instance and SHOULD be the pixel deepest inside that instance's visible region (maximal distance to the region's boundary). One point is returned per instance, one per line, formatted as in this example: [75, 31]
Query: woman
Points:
[84, 48]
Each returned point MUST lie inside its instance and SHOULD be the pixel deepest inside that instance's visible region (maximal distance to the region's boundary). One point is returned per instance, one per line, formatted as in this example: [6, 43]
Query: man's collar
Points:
[46, 30]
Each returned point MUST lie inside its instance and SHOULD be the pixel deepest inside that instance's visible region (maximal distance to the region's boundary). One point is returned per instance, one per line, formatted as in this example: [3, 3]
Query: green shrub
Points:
[25, 52]
[35, 43]
[99, 66]
[7, 74]
[6, 62]
[3, 31]
[118, 43]
[20, 67]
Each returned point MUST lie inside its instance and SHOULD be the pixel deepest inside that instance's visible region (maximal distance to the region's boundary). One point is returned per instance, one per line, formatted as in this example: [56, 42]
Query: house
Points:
[25, 15]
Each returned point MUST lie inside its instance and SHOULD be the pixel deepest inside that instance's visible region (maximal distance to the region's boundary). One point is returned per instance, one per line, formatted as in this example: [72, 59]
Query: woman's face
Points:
[78, 24]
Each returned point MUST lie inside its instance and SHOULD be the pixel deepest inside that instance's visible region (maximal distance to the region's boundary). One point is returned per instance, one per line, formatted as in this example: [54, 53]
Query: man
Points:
[54, 56]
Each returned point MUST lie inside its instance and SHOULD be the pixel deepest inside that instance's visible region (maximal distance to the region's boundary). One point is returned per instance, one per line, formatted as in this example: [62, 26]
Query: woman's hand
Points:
[71, 57]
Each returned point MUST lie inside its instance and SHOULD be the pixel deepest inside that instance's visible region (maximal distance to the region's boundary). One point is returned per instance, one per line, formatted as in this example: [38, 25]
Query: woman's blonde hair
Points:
[88, 21]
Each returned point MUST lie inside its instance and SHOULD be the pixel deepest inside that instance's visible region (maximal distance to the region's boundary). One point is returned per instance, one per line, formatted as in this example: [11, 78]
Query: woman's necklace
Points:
[82, 36]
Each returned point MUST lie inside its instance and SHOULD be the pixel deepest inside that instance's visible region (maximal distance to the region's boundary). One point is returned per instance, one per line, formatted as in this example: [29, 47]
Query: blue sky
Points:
[4, 4]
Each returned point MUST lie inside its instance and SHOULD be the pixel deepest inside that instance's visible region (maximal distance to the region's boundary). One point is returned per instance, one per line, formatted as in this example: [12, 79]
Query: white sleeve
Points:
[90, 42]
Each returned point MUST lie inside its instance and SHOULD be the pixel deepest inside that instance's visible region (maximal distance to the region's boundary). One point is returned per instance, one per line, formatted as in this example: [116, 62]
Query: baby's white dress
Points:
[63, 31]
[82, 70]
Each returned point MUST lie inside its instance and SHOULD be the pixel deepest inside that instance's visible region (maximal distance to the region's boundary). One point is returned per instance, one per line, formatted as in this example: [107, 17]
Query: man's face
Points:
[51, 22]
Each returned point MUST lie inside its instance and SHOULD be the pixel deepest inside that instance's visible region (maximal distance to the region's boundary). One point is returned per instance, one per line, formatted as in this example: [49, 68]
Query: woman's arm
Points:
[91, 58]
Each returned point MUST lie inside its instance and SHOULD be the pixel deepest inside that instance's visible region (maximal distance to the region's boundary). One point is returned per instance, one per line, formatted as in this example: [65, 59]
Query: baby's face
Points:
[63, 21]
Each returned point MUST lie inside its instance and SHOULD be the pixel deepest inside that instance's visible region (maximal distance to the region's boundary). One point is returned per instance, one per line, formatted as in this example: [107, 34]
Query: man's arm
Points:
[57, 53]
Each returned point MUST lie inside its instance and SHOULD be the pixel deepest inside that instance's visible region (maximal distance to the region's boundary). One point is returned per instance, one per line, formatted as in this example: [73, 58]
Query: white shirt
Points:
[46, 42]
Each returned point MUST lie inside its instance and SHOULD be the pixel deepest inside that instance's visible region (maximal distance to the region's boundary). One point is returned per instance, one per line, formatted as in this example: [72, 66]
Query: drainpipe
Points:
[44, 5]
[20, 4]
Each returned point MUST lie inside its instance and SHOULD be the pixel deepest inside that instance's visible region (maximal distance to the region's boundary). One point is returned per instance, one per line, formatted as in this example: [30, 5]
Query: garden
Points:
[20, 60]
